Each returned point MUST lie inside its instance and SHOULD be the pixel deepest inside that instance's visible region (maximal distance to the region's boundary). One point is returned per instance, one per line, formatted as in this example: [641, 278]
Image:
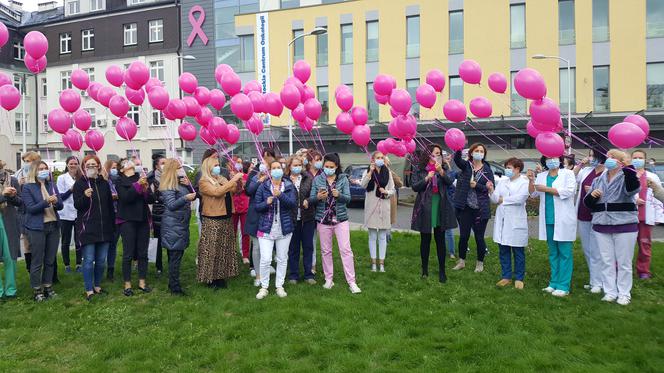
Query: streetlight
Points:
[569, 93]
[316, 31]
[181, 60]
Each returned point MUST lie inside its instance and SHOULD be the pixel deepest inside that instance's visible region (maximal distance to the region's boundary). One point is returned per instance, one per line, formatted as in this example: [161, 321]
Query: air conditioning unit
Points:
[101, 123]
[114, 122]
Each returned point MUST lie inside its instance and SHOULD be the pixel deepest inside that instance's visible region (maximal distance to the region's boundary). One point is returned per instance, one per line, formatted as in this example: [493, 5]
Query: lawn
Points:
[400, 322]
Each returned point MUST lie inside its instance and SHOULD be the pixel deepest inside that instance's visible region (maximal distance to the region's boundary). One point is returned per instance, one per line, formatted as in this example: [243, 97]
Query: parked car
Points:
[355, 173]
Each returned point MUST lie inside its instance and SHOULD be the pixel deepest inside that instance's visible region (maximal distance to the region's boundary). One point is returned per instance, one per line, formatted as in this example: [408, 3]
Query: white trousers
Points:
[591, 252]
[256, 255]
[616, 251]
[381, 236]
[266, 246]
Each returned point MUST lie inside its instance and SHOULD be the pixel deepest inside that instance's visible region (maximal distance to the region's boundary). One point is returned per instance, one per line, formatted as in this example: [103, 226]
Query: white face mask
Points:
[91, 173]
[138, 169]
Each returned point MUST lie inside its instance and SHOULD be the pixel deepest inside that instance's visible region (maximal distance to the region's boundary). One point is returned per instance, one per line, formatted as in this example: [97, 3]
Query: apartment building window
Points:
[44, 87]
[411, 87]
[18, 122]
[88, 40]
[45, 127]
[156, 31]
[91, 72]
[286, 4]
[456, 88]
[655, 19]
[134, 115]
[93, 116]
[601, 88]
[74, 7]
[298, 45]
[157, 69]
[372, 41]
[566, 33]
[96, 5]
[347, 43]
[518, 26]
[130, 34]
[19, 51]
[65, 42]
[563, 98]
[247, 54]
[456, 32]
[324, 99]
[65, 80]
[655, 85]
[321, 50]
[600, 20]
[413, 37]
[18, 83]
[372, 105]
[158, 118]
[517, 102]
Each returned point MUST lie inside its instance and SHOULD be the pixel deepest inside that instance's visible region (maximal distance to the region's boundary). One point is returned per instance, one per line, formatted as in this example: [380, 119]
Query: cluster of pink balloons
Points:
[36, 46]
[10, 97]
[631, 132]
[353, 119]
[300, 98]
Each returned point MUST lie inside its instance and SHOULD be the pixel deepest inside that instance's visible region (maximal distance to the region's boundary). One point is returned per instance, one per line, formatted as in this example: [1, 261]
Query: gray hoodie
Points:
[616, 205]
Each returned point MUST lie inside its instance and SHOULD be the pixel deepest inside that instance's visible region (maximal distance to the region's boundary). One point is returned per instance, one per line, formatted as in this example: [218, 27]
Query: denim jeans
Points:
[303, 238]
[449, 240]
[94, 264]
[506, 262]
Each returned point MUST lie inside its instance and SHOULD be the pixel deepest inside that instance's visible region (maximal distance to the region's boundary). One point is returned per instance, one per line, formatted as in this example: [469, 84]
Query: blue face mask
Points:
[216, 170]
[594, 162]
[114, 172]
[296, 170]
[610, 163]
[329, 171]
[509, 173]
[318, 165]
[277, 173]
[639, 163]
[26, 168]
[478, 156]
[380, 162]
[552, 164]
[43, 175]
[262, 168]
[305, 161]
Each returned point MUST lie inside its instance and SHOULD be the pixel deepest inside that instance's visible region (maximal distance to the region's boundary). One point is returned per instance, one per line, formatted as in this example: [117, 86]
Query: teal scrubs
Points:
[560, 252]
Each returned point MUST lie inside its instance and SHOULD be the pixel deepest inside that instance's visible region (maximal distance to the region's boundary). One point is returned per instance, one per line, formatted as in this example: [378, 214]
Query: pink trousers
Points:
[325, 234]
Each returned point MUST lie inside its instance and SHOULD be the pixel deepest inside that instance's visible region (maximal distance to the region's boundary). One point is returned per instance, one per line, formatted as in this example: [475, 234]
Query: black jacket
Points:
[96, 216]
[305, 189]
[132, 205]
[422, 209]
[158, 205]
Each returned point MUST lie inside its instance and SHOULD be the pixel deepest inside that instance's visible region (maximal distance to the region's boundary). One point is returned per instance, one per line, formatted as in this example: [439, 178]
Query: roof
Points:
[34, 18]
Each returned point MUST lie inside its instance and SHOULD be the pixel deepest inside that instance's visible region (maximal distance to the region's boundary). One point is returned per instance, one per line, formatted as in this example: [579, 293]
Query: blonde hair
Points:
[169, 176]
[618, 155]
[31, 157]
[206, 170]
[34, 170]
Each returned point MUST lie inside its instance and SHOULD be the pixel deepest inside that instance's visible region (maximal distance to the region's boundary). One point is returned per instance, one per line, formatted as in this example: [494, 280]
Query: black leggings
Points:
[135, 242]
[66, 227]
[425, 245]
[470, 219]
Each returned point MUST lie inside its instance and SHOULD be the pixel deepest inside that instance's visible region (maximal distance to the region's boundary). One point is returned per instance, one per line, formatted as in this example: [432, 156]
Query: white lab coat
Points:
[566, 220]
[510, 227]
[652, 205]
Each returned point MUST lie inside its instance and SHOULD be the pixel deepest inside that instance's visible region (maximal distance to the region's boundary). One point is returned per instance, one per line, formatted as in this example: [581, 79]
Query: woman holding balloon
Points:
[255, 179]
[112, 176]
[65, 185]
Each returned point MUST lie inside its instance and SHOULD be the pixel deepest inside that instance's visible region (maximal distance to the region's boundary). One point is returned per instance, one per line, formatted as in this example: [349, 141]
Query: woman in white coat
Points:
[556, 188]
[510, 228]
[379, 185]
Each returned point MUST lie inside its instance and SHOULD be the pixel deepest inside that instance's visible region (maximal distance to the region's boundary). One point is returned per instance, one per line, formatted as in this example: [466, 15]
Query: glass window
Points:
[285, 4]
[456, 88]
[19, 51]
[298, 45]
[91, 73]
[229, 55]
[411, 87]
[456, 32]
[18, 122]
[45, 127]
[372, 41]
[65, 80]
[655, 90]
[250, 8]
[518, 103]
[18, 83]
[323, 98]
[566, 22]
[600, 20]
[96, 5]
[601, 88]
[44, 87]
[563, 90]
[321, 50]
[225, 30]
[156, 30]
[74, 7]
[413, 37]
[88, 40]
[158, 118]
[372, 105]
[655, 18]
[347, 43]
[130, 31]
[65, 42]
[134, 115]
[518, 26]
[247, 60]
[157, 70]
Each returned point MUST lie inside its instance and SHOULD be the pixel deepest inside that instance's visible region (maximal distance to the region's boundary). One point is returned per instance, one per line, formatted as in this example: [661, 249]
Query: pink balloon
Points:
[541, 127]
[153, 82]
[298, 113]
[135, 96]
[74, 140]
[36, 44]
[382, 147]
[187, 131]
[359, 115]
[399, 148]
[104, 95]
[382, 85]
[455, 139]
[290, 96]
[218, 128]
[410, 145]
[313, 108]
[297, 83]
[401, 101]
[82, 120]
[220, 71]
[177, 108]
[530, 84]
[35, 65]
[339, 88]
[273, 104]
[70, 100]
[640, 121]
[126, 128]
[345, 123]
[93, 90]
[470, 72]
[626, 135]
[394, 129]
[551, 145]
[193, 108]
[59, 120]
[361, 135]
[381, 99]
[207, 137]
[204, 117]
[94, 139]
[394, 113]
[498, 82]
[436, 79]
[10, 97]
[307, 93]
[202, 95]
[241, 106]
[233, 134]
[4, 78]
[406, 126]
[119, 106]
[158, 98]
[545, 111]
[252, 86]
[80, 79]
[167, 114]
[302, 70]
[307, 125]
[254, 124]
[257, 100]
[426, 95]
[115, 75]
[4, 35]
[231, 83]
[454, 111]
[187, 83]
[129, 82]
[532, 130]
[217, 99]
[139, 73]
[391, 144]
[481, 107]
[344, 100]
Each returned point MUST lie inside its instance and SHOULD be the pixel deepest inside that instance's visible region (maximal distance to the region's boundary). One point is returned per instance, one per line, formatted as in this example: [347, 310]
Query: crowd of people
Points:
[279, 209]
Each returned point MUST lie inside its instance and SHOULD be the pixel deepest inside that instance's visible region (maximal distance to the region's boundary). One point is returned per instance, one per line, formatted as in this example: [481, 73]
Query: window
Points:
[74, 7]
[44, 87]
[247, 59]
[136, 2]
[156, 31]
[18, 83]
[93, 115]
[323, 98]
[134, 115]
[158, 118]
[45, 127]
[372, 105]
[601, 88]
[600, 20]
[655, 19]
[18, 122]
[96, 5]
[372, 41]
[411, 87]
[157, 70]
[65, 42]
[91, 72]
[298, 45]
[563, 90]
[285, 4]
[321, 50]
[65, 80]
[517, 103]
[456, 32]
[346, 43]
[413, 37]
[130, 31]
[566, 22]
[655, 90]
[456, 88]
[19, 51]
[518, 26]
[131, 153]
[88, 40]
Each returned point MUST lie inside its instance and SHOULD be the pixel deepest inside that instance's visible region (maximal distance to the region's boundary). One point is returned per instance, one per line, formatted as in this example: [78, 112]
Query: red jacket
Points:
[240, 199]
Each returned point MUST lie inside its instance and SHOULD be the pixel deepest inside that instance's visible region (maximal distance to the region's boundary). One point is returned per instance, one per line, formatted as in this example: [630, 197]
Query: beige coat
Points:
[377, 210]
[394, 200]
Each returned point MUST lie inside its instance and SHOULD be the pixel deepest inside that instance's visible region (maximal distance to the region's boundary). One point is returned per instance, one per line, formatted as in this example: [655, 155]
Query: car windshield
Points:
[357, 172]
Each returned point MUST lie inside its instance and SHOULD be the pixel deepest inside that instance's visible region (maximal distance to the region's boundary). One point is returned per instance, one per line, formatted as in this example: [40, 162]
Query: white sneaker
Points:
[252, 273]
[596, 289]
[608, 298]
[479, 267]
[623, 301]
[354, 288]
[549, 289]
[281, 293]
[382, 268]
[257, 282]
[373, 267]
[262, 293]
[587, 286]
[328, 284]
[461, 264]
[272, 270]
[560, 293]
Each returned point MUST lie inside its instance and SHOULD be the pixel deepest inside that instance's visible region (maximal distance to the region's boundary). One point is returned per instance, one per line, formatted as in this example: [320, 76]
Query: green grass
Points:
[398, 323]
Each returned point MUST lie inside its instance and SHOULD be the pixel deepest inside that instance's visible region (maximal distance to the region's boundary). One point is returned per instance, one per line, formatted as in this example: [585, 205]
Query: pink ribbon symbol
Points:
[196, 25]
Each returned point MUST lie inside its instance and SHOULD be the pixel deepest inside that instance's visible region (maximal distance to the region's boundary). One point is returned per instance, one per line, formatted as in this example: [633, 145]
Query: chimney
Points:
[46, 5]
[16, 5]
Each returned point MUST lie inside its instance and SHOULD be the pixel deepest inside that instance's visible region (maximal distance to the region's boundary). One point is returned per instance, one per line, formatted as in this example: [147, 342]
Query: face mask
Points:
[91, 173]
[509, 173]
[161, 168]
[318, 165]
[26, 168]
[638, 163]
[262, 168]
[306, 161]
[138, 169]
[216, 170]
[238, 167]
[114, 172]
[43, 175]
[380, 162]
[283, 165]
[296, 170]
[594, 162]
[277, 173]
[552, 164]
[478, 156]
[181, 173]
[330, 171]
[610, 163]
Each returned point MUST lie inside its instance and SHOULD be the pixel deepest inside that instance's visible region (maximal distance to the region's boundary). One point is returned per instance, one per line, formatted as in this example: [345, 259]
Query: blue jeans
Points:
[94, 264]
[449, 240]
[303, 238]
[506, 262]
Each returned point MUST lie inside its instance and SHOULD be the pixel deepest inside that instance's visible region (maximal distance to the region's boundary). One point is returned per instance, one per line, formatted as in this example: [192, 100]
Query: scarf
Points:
[383, 177]
[5, 182]
[431, 167]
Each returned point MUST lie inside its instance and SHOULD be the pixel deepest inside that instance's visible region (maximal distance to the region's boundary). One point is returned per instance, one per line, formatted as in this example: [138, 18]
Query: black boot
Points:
[222, 284]
[109, 274]
[28, 261]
